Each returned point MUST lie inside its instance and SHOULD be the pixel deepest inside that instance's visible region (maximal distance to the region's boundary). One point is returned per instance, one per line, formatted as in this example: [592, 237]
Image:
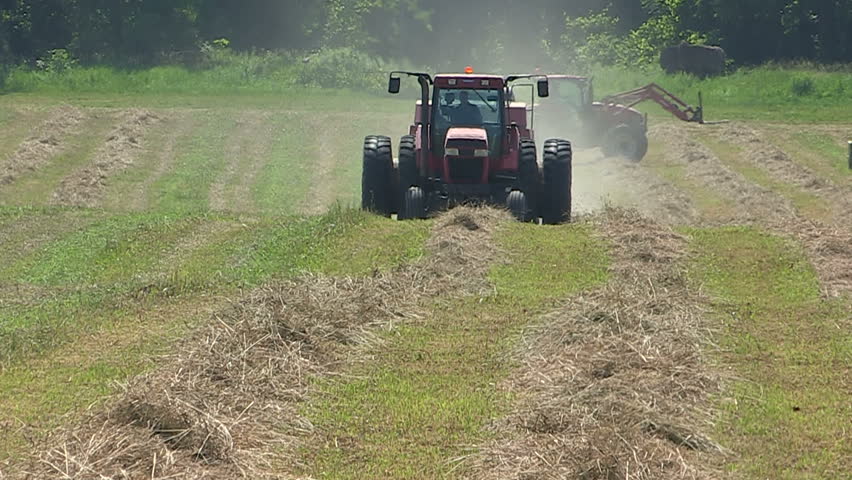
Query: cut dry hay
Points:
[828, 248]
[749, 202]
[84, 186]
[765, 155]
[224, 404]
[47, 141]
[613, 385]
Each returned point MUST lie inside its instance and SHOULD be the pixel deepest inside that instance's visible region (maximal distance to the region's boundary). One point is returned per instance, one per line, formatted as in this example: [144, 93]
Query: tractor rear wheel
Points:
[413, 205]
[516, 202]
[557, 161]
[407, 162]
[376, 176]
[626, 141]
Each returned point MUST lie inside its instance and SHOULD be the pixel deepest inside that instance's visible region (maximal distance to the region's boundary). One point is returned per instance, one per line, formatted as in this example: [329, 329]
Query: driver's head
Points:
[464, 96]
[450, 98]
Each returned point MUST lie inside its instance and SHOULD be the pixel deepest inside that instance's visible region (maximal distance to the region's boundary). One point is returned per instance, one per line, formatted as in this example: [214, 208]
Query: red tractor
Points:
[612, 123]
[469, 143]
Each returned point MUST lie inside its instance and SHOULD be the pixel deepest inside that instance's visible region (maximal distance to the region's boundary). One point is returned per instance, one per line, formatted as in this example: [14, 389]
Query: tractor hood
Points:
[466, 156]
[466, 134]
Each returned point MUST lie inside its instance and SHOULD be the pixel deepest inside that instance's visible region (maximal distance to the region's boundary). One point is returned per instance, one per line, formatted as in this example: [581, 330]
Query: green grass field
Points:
[232, 188]
[791, 350]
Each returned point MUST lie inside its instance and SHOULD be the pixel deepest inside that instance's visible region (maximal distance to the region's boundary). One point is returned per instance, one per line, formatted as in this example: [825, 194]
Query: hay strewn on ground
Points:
[612, 385]
[47, 141]
[84, 186]
[224, 403]
[827, 245]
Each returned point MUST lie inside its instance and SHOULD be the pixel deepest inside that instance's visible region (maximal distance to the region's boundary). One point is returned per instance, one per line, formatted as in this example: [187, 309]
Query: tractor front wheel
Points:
[557, 163]
[413, 205]
[376, 176]
[626, 141]
[516, 202]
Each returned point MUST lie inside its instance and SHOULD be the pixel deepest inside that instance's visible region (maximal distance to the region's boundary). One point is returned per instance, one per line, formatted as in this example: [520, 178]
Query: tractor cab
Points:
[572, 97]
[468, 116]
[571, 91]
[563, 111]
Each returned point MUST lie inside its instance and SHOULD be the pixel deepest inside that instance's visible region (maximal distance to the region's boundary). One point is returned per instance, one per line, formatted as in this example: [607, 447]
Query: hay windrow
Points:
[84, 187]
[777, 162]
[782, 166]
[224, 403]
[753, 203]
[828, 247]
[613, 385]
[47, 142]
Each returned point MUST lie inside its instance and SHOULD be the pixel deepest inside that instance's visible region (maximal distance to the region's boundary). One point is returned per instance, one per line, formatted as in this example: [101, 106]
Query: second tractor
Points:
[611, 123]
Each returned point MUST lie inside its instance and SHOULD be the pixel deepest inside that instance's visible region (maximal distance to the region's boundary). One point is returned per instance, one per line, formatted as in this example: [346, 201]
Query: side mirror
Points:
[393, 85]
[543, 88]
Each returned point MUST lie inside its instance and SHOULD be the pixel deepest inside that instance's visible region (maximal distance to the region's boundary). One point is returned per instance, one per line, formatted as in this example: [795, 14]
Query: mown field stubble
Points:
[187, 291]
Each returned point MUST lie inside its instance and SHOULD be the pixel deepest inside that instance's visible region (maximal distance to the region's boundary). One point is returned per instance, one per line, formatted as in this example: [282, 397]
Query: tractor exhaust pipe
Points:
[425, 111]
[425, 81]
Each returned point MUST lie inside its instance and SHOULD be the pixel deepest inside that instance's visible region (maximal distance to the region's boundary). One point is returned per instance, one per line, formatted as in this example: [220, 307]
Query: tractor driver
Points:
[449, 107]
[466, 113]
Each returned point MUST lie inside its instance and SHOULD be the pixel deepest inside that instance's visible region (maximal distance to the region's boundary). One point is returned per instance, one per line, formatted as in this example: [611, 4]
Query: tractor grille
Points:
[466, 170]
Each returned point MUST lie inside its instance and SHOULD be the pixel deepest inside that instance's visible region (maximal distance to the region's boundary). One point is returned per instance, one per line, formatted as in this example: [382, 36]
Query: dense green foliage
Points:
[52, 34]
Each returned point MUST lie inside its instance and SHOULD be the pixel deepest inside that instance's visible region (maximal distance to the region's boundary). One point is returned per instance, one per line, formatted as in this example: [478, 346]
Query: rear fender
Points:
[512, 152]
[611, 115]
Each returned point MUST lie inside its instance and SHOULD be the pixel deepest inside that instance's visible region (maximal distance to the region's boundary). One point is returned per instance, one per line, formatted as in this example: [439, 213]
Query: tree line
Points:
[130, 33]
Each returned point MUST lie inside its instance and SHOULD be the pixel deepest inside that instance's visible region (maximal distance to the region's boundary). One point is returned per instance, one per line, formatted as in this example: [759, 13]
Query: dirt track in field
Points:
[599, 181]
[181, 123]
[246, 151]
[321, 193]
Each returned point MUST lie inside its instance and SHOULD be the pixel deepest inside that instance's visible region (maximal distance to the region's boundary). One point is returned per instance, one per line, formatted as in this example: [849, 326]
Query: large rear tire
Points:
[376, 176]
[630, 142]
[413, 205]
[557, 163]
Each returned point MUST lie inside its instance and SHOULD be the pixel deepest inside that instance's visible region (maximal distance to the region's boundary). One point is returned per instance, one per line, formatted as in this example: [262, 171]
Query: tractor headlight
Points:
[451, 152]
[480, 152]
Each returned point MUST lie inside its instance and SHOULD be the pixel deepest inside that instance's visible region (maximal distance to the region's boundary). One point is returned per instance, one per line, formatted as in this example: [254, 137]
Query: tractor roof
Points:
[468, 75]
[468, 80]
[567, 77]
